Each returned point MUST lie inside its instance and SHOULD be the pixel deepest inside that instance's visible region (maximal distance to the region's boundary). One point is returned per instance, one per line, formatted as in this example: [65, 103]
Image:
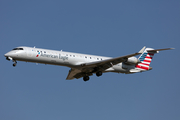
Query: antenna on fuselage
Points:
[34, 46]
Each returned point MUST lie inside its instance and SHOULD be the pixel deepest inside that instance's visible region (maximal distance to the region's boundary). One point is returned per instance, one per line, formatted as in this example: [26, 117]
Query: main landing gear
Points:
[99, 73]
[86, 78]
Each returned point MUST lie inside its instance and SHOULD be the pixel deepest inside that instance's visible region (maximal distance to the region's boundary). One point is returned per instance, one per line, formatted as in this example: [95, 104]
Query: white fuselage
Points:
[84, 65]
[62, 58]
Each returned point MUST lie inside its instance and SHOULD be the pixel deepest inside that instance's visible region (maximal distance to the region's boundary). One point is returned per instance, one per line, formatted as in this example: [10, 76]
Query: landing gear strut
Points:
[14, 64]
[86, 78]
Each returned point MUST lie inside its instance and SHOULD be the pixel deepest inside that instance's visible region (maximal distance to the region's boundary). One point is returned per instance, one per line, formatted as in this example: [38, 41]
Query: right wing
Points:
[73, 74]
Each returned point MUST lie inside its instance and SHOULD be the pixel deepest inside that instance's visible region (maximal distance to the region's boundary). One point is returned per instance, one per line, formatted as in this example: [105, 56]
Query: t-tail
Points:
[145, 59]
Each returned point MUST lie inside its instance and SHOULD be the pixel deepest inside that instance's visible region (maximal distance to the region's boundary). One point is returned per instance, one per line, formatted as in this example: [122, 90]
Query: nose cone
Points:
[6, 55]
[9, 54]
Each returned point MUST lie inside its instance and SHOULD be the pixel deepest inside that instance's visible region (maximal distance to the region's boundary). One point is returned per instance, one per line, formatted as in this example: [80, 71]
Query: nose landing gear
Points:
[9, 58]
[14, 64]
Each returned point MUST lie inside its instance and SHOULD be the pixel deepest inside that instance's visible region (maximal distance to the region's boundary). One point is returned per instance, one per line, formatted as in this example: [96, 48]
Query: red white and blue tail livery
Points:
[145, 59]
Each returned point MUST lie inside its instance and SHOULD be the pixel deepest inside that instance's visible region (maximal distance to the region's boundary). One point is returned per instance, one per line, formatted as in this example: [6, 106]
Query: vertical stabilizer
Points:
[145, 58]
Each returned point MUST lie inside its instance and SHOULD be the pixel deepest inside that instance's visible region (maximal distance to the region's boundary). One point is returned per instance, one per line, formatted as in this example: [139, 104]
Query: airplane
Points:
[84, 65]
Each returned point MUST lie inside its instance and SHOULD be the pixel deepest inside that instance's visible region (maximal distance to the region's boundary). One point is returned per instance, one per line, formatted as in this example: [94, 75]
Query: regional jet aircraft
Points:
[84, 65]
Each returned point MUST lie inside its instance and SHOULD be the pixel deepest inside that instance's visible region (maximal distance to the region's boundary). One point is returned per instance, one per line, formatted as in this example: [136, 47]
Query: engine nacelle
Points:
[132, 61]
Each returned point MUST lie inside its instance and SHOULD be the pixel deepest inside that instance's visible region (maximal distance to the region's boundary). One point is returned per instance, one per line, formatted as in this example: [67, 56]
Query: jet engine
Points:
[132, 61]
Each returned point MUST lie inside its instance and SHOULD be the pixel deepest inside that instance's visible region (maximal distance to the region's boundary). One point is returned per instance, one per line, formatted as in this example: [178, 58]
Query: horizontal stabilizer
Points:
[156, 50]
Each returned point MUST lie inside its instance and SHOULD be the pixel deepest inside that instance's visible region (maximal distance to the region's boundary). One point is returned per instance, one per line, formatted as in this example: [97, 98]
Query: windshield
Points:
[18, 49]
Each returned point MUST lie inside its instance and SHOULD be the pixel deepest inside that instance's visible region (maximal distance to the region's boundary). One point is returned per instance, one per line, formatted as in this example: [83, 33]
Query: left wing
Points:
[90, 68]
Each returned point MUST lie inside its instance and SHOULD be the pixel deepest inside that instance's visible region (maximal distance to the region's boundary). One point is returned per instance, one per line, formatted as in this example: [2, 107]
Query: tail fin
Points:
[146, 58]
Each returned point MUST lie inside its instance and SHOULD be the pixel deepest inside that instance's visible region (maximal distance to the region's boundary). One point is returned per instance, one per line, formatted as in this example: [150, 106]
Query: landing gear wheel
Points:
[14, 64]
[86, 78]
[99, 73]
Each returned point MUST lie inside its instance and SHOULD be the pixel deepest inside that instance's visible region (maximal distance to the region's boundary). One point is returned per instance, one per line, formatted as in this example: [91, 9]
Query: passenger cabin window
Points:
[18, 49]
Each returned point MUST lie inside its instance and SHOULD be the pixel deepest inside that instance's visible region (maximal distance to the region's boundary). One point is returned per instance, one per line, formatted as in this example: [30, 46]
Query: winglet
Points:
[142, 50]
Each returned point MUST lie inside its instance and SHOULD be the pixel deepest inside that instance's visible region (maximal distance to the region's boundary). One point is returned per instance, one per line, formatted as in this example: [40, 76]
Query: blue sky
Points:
[101, 27]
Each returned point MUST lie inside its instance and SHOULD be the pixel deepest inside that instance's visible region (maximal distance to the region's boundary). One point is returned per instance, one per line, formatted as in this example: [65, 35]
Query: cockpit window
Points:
[18, 49]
